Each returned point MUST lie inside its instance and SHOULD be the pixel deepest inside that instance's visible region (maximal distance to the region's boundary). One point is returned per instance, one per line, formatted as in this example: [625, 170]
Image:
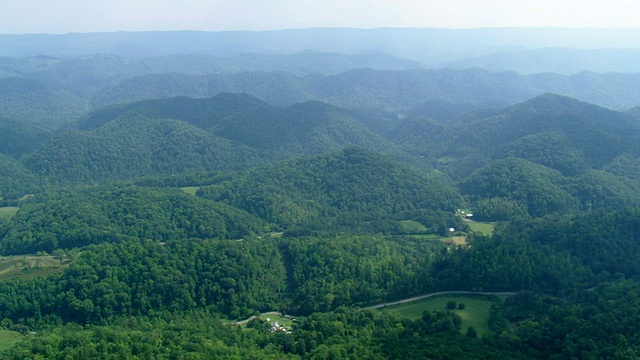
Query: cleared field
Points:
[191, 190]
[29, 266]
[284, 321]
[8, 339]
[7, 212]
[476, 311]
[410, 226]
[484, 228]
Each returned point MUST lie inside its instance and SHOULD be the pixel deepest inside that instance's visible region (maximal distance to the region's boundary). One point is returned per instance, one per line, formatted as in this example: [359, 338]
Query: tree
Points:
[471, 332]
[451, 305]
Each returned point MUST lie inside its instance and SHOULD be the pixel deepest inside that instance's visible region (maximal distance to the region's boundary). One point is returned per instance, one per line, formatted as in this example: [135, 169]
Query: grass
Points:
[484, 228]
[476, 312]
[6, 213]
[29, 266]
[8, 339]
[412, 227]
[191, 190]
[284, 321]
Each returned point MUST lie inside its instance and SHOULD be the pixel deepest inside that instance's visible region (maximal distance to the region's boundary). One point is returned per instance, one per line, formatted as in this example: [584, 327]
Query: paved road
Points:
[403, 301]
[415, 298]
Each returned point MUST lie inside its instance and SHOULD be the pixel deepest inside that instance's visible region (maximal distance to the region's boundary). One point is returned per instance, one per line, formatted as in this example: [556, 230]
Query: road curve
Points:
[425, 296]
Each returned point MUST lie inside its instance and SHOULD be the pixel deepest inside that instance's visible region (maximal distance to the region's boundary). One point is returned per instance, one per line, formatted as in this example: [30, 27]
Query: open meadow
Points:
[475, 313]
[8, 339]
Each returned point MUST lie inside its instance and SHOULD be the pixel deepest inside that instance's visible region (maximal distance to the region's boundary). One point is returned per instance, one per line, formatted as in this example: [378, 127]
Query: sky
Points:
[64, 16]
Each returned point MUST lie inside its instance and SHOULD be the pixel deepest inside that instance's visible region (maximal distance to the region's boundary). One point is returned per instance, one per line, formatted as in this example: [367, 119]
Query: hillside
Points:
[349, 188]
[68, 219]
[133, 146]
[19, 137]
[414, 91]
[34, 102]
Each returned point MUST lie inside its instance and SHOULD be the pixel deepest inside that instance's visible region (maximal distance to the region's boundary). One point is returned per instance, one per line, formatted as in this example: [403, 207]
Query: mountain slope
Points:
[75, 218]
[345, 188]
[32, 101]
[133, 146]
[18, 138]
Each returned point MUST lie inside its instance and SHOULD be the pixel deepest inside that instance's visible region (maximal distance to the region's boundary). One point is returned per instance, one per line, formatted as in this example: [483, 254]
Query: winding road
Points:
[425, 296]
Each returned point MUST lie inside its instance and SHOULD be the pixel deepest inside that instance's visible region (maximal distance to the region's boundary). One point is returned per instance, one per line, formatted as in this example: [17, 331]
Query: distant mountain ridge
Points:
[399, 90]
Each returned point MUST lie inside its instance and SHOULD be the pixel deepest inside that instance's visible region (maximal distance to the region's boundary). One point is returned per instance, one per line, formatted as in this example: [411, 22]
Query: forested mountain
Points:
[34, 102]
[163, 137]
[556, 60]
[399, 90]
[349, 187]
[15, 180]
[20, 137]
[66, 219]
[134, 146]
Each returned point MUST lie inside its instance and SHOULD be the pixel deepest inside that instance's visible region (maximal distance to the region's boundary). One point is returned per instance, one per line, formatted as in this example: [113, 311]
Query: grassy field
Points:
[410, 226]
[7, 213]
[484, 228]
[191, 190]
[8, 338]
[475, 313]
[284, 321]
[29, 266]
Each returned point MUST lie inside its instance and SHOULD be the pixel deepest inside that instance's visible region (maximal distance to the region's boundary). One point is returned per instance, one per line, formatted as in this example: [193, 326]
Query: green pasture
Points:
[191, 190]
[484, 228]
[412, 227]
[8, 339]
[29, 266]
[7, 212]
[476, 311]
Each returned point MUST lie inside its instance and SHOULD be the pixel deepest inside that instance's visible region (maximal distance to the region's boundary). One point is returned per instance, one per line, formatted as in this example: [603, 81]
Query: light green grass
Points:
[476, 313]
[410, 226]
[7, 213]
[29, 266]
[8, 339]
[191, 190]
[284, 321]
[484, 228]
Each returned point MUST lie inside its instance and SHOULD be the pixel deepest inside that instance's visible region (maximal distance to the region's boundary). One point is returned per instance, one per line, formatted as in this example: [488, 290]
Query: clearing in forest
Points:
[475, 313]
[6, 213]
[29, 266]
[8, 339]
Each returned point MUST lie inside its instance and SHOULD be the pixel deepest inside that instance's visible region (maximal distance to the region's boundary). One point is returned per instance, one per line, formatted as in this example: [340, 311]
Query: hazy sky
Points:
[62, 16]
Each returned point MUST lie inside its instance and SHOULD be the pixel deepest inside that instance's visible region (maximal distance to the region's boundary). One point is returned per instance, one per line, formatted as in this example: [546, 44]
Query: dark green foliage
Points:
[451, 305]
[75, 218]
[603, 241]
[508, 263]
[18, 138]
[346, 188]
[15, 180]
[536, 188]
[135, 146]
[141, 277]
[325, 274]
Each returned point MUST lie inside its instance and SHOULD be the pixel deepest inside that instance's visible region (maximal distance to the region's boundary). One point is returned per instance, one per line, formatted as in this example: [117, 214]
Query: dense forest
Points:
[165, 205]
